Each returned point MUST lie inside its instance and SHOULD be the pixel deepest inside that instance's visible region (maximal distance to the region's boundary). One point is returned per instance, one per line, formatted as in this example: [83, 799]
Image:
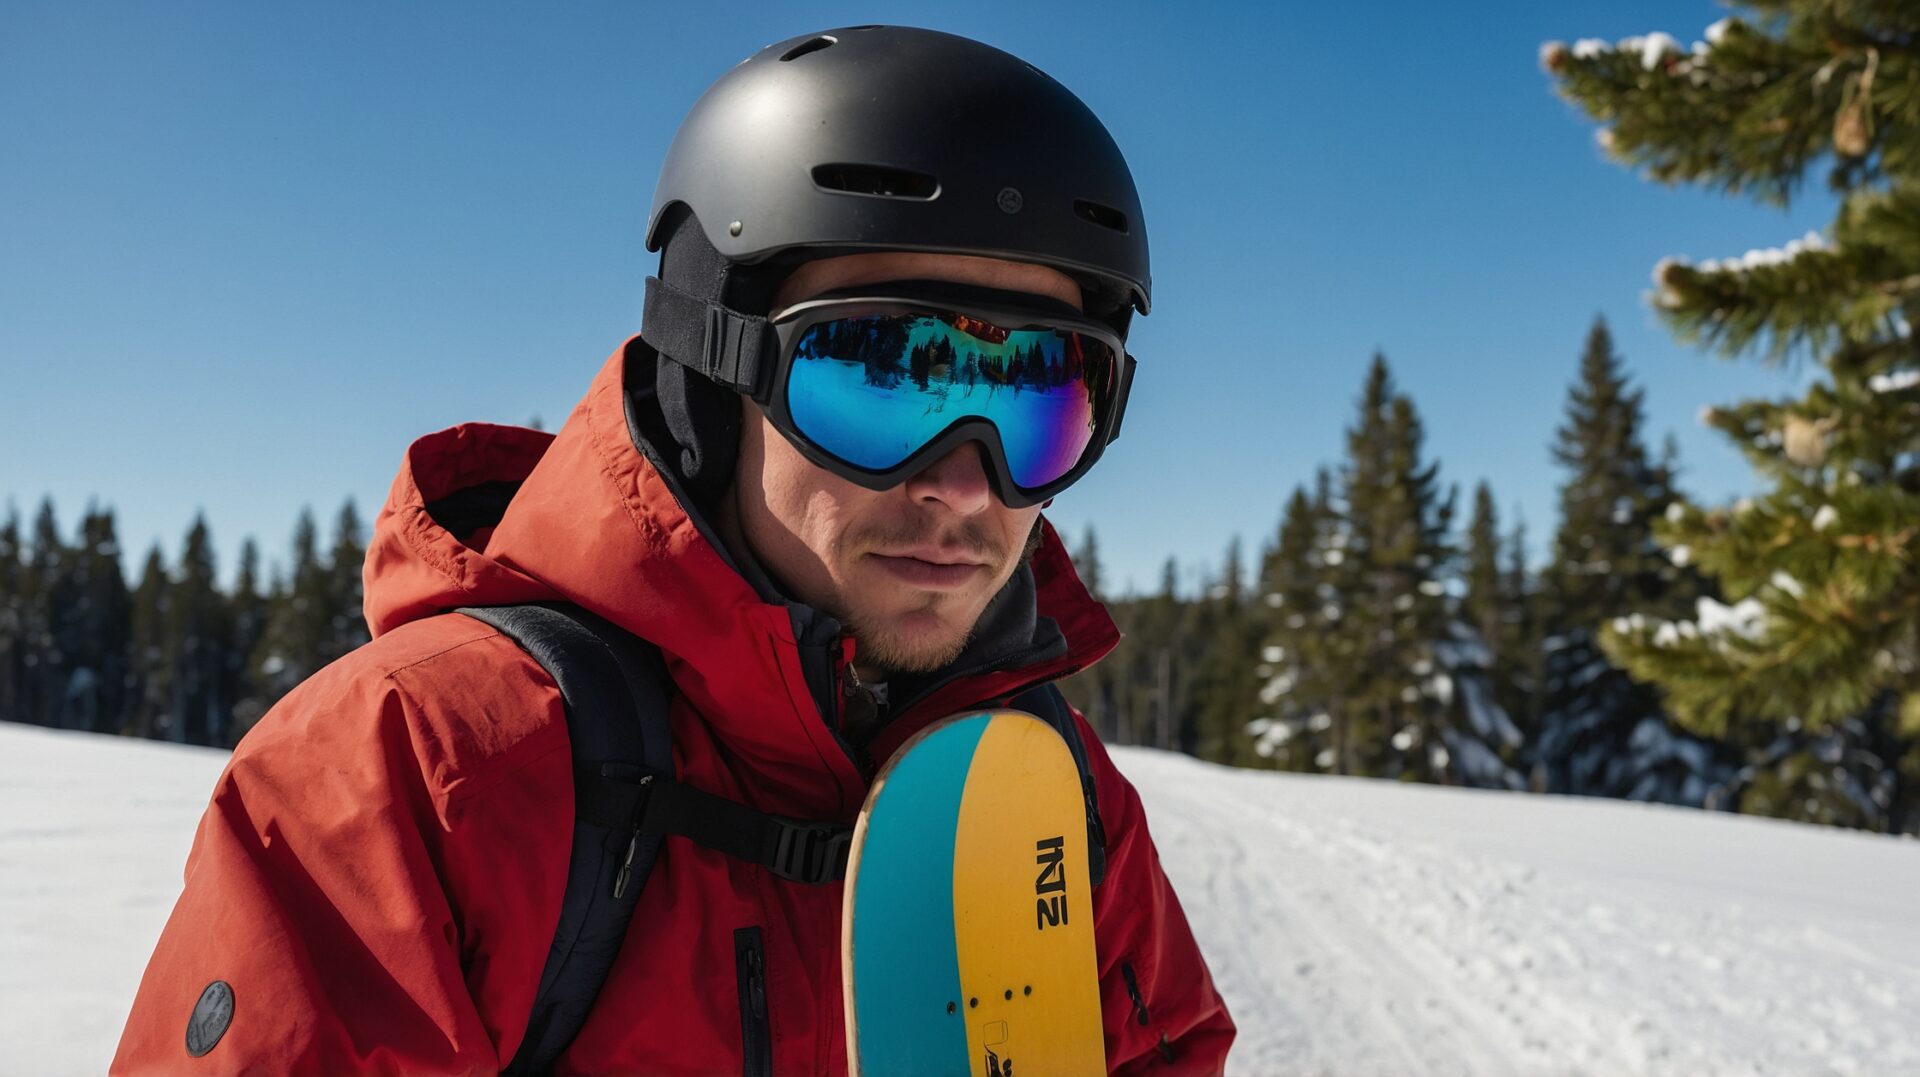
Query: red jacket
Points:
[379, 872]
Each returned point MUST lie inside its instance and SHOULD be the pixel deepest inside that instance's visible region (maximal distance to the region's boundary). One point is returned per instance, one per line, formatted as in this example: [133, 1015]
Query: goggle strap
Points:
[727, 346]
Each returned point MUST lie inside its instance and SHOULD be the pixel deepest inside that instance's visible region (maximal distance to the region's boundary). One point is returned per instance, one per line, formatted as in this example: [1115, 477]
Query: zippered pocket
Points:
[756, 1032]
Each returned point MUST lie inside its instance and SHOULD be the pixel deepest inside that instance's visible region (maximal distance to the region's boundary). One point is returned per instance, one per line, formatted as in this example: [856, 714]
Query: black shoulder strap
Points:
[1046, 703]
[616, 692]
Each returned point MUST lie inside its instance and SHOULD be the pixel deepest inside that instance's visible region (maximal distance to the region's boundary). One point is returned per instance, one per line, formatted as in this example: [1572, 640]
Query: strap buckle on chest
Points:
[811, 853]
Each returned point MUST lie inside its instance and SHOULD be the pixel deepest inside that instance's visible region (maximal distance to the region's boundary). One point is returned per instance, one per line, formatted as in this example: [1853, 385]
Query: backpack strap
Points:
[616, 692]
[1045, 702]
[615, 688]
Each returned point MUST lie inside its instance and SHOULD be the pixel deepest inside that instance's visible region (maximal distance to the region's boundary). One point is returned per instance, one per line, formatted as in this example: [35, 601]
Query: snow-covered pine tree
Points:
[199, 640]
[1820, 651]
[1293, 724]
[1400, 712]
[1485, 657]
[1600, 732]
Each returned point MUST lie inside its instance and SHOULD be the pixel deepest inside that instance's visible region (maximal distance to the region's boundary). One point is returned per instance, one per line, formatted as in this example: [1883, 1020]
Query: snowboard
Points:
[967, 922]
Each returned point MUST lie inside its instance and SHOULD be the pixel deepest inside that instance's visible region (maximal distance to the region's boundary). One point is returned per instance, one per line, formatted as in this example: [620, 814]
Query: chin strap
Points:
[731, 348]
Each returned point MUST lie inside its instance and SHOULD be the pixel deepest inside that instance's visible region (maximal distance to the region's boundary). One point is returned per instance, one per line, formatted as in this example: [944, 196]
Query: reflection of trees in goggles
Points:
[959, 349]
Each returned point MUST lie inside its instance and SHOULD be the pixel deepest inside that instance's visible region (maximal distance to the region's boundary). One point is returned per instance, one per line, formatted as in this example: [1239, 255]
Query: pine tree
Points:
[48, 587]
[1820, 650]
[299, 633]
[199, 644]
[1095, 692]
[1296, 700]
[1485, 605]
[13, 620]
[1486, 657]
[1390, 602]
[1086, 563]
[151, 706]
[1524, 682]
[251, 611]
[1600, 731]
[1224, 691]
[347, 623]
[95, 630]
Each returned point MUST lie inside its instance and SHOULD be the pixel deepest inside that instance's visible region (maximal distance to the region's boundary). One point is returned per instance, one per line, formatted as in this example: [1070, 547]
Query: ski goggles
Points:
[874, 387]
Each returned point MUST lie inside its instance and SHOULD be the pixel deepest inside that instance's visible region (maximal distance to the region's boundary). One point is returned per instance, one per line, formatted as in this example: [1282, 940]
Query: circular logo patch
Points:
[1011, 200]
[211, 1016]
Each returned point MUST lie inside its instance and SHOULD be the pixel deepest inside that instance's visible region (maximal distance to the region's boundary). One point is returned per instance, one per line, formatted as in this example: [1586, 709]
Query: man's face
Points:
[908, 570]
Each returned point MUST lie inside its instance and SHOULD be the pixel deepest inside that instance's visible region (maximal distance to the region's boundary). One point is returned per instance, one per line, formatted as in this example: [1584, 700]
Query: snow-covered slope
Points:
[1354, 927]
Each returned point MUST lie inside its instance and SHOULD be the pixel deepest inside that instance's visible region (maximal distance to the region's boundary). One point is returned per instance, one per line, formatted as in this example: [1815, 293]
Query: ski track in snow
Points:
[1381, 940]
[1355, 927]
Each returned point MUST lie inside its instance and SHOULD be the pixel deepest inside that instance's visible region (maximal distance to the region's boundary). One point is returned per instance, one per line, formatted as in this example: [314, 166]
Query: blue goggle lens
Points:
[874, 389]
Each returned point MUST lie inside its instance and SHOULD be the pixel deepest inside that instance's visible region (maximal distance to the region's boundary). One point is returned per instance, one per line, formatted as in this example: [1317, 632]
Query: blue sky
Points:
[248, 252]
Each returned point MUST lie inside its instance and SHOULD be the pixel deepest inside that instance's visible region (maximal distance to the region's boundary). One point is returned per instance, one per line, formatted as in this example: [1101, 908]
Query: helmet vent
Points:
[812, 44]
[1104, 216]
[877, 181]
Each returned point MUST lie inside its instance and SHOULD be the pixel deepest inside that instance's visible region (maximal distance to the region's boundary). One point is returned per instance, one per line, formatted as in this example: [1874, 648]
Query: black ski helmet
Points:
[868, 138]
[895, 138]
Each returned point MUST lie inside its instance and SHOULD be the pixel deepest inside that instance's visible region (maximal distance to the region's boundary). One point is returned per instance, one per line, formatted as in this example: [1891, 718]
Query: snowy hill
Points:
[1354, 927]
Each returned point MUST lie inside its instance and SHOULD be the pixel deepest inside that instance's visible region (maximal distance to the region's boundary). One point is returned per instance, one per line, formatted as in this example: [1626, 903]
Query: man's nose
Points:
[957, 480]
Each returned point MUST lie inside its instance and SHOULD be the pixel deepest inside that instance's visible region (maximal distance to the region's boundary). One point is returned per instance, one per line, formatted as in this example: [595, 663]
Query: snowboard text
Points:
[1051, 856]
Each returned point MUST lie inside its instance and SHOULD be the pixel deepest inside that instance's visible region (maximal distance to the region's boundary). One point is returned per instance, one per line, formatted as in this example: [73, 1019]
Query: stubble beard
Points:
[880, 644]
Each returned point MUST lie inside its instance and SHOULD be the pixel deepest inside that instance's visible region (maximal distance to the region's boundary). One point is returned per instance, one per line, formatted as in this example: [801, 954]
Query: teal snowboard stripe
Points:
[905, 897]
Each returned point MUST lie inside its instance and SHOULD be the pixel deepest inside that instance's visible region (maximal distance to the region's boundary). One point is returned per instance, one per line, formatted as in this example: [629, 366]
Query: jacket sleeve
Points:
[328, 889]
[1162, 1013]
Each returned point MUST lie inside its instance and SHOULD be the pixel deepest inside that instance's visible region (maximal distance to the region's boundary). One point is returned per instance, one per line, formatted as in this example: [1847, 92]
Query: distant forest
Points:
[1372, 635]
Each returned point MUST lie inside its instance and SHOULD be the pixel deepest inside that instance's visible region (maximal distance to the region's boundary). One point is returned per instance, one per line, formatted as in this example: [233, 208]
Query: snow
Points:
[1894, 383]
[1363, 927]
[94, 832]
[1825, 517]
[1654, 47]
[1765, 256]
[1588, 47]
[1356, 927]
[1746, 618]
[1716, 34]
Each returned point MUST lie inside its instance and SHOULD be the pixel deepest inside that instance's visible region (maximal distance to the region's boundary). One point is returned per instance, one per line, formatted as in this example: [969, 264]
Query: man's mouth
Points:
[930, 569]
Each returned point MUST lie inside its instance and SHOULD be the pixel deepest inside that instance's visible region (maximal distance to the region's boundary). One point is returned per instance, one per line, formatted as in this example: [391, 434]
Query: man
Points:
[827, 521]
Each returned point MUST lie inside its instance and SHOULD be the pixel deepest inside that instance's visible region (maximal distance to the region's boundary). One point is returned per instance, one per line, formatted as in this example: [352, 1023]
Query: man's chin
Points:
[918, 641]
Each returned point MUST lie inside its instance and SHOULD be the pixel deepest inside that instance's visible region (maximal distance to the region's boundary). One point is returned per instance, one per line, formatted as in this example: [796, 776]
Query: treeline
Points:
[1377, 636]
[176, 656]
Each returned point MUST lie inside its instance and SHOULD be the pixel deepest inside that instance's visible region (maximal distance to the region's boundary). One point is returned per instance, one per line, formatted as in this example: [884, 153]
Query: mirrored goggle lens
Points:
[874, 389]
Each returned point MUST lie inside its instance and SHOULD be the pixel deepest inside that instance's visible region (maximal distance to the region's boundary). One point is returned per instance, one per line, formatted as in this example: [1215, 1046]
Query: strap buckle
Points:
[812, 853]
[732, 349]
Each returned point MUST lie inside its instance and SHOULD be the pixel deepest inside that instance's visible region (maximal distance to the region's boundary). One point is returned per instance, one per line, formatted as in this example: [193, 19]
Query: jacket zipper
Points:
[756, 1033]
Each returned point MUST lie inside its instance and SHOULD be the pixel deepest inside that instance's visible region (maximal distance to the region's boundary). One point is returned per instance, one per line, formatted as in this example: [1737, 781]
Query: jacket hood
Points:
[427, 554]
[494, 515]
